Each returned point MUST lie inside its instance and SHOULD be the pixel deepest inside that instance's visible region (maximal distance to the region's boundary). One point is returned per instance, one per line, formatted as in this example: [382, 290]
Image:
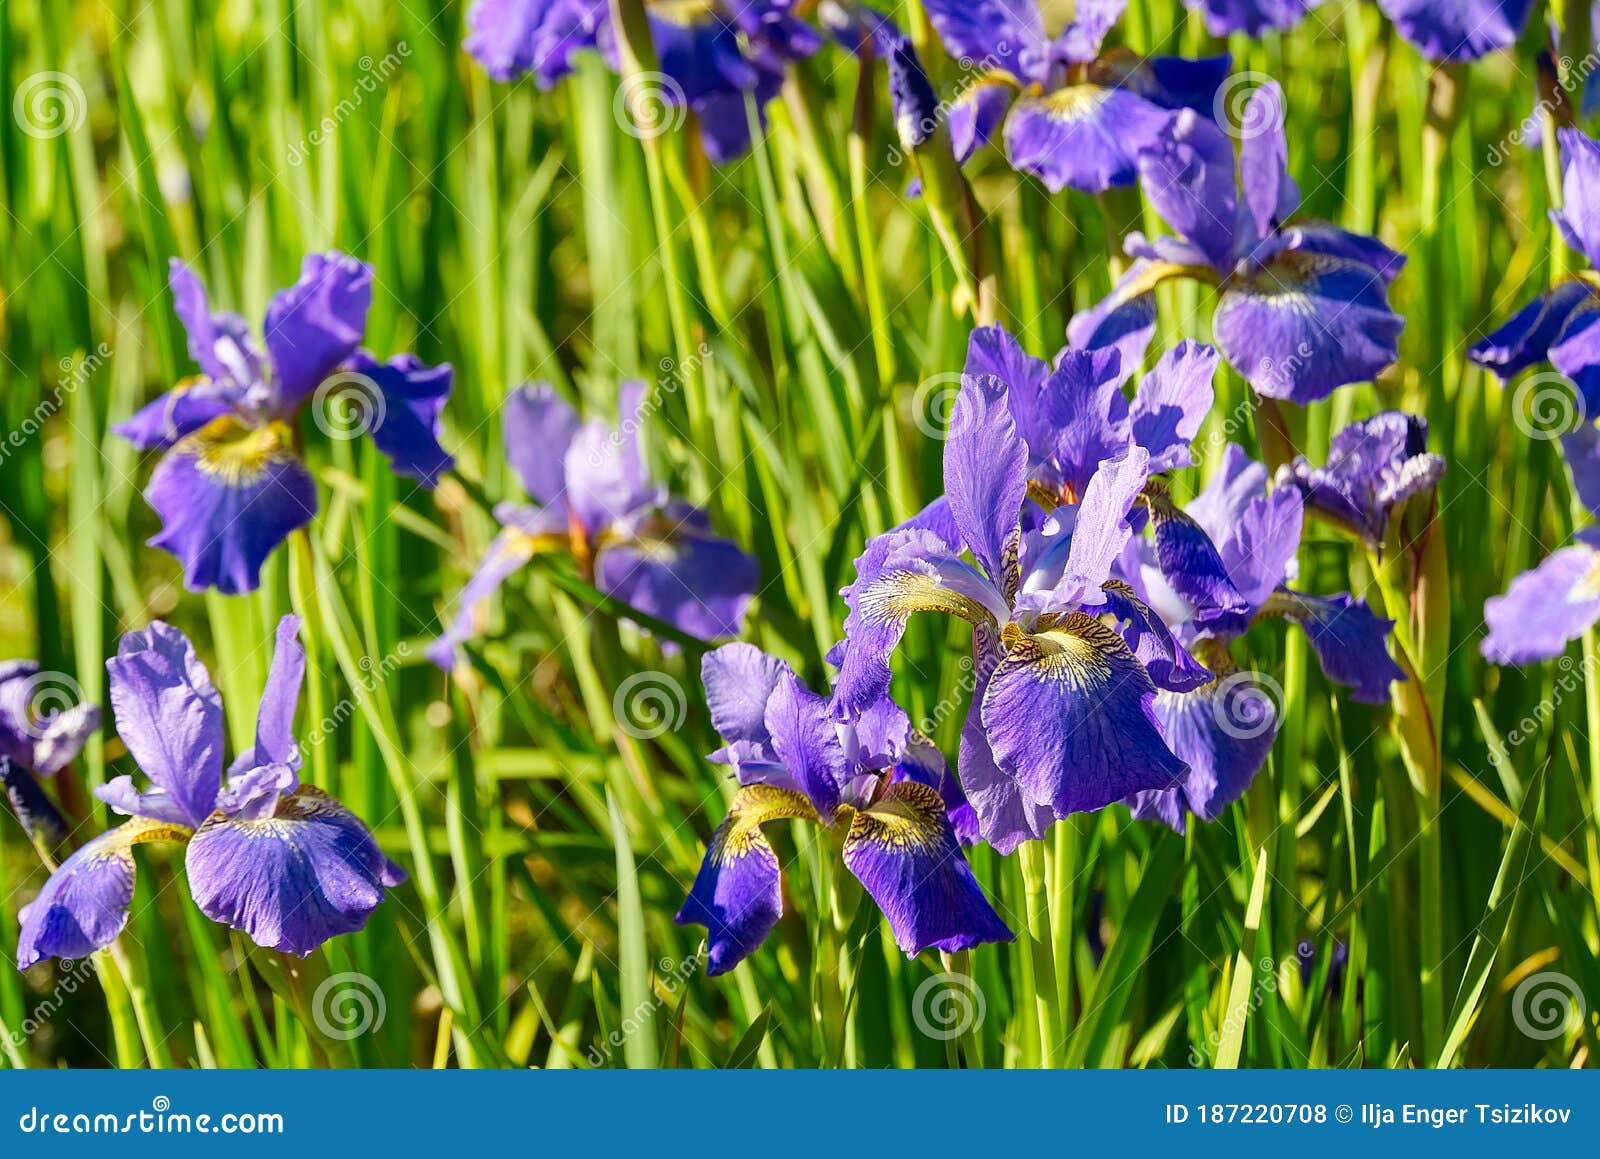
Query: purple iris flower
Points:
[1458, 29]
[710, 54]
[1073, 116]
[1563, 324]
[795, 757]
[1060, 720]
[1251, 17]
[1303, 307]
[1373, 467]
[1549, 606]
[1229, 563]
[281, 861]
[37, 740]
[593, 497]
[231, 486]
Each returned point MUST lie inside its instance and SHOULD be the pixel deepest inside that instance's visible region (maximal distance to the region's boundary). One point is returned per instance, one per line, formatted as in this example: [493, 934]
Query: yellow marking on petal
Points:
[139, 831]
[683, 13]
[1075, 647]
[1074, 102]
[997, 78]
[896, 595]
[1588, 587]
[753, 806]
[905, 818]
[238, 455]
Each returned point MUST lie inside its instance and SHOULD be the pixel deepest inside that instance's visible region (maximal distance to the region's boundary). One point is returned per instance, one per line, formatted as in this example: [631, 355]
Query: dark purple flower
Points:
[593, 496]
[1303, 307]
[1080, 115]
[40, 734]
[1373, 467]
[1458, 29]
[231, 486]
[283, 862]
[869, 771]
[1251, 17]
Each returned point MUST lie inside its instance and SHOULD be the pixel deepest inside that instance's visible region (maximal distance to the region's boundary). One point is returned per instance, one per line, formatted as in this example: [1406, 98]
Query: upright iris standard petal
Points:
[1579, 215]
[1350, 641]
[1187, 171]
[605, 475]
[739, 679]
[1085, 414]
[903, 850]
[1303, 324]
[1068, 710]
[1544, 609]
[219, 343]
[291, 881]
[84, 905]
[227, 496]
[405, 413]
[169, 715]
[986, 474]
[275, 741]
[1171, 402]
[510, 38]
[737, 894]
[316, 324]
[1270, 194]
[1006, 34]
[806, 741]
[1083, 136]
[539, 425]
[1458, 29]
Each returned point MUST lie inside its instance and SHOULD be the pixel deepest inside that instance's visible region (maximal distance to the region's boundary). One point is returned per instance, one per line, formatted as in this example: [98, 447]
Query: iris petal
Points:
[1544, 609]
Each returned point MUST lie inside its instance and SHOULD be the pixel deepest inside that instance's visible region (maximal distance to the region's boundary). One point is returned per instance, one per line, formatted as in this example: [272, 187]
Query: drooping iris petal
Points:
[902, 572]
[737, 894]
[924, 763]
[405, 413]
[219, 343]
[1223, 731]
[84, 905]
[1302, 324]
[1125, 319]
[1579, 215]
[1171, 402]
[1085, 414]
[695, 581]
[978, 111]
[697, 45]
[43, 744]
[507, 553]
[34, 810]
[291, 881]
[1458, 29]
[316, 324]
[903, 850]
[1237, 482]
[1169, 663]
[1006, 34]
[986, 474]
[1194, 568]
[1526, 339]
[1187, 171]
[1068, 710]
[1086, 137]
[1351, 642]
[227, 496]
[512, 37]
[1270, 194]
[1544, 609]
[184, 409]
[539, 426]
[806, 741]
[169, 715]
[1321, 237]
[1251, 17]
[1373, 466]
[1006, 817]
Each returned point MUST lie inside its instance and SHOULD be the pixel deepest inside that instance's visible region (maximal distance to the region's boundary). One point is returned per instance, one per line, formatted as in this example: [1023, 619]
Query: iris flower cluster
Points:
[1303, 306]
[592, 497]
[231, 485]
[1442, 30]
[279, 860]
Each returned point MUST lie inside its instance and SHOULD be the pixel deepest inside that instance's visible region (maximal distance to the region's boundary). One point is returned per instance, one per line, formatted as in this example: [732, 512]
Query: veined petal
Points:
[405, 419]
[507, 553]
[1084, 415]
[806, 740]
[184, 409]
[1260, 552]
[1350, 641]
[1458, 29]
[1068, 710]
[739, 679]
[84, 905]
[291, 881]
[1545, 608]
[737, 894]
[994, 353]
[923, 763]
[903, 850]
[316, 324]
[169, 715]
[1236, 483]
[1171, 402]
[1083, 136]
[1006, 817]
[986, 475]
[1303, 324]
[1169, 663]
[1079, 42]
[1187, 171]
[1270, 194]
[228, 495]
